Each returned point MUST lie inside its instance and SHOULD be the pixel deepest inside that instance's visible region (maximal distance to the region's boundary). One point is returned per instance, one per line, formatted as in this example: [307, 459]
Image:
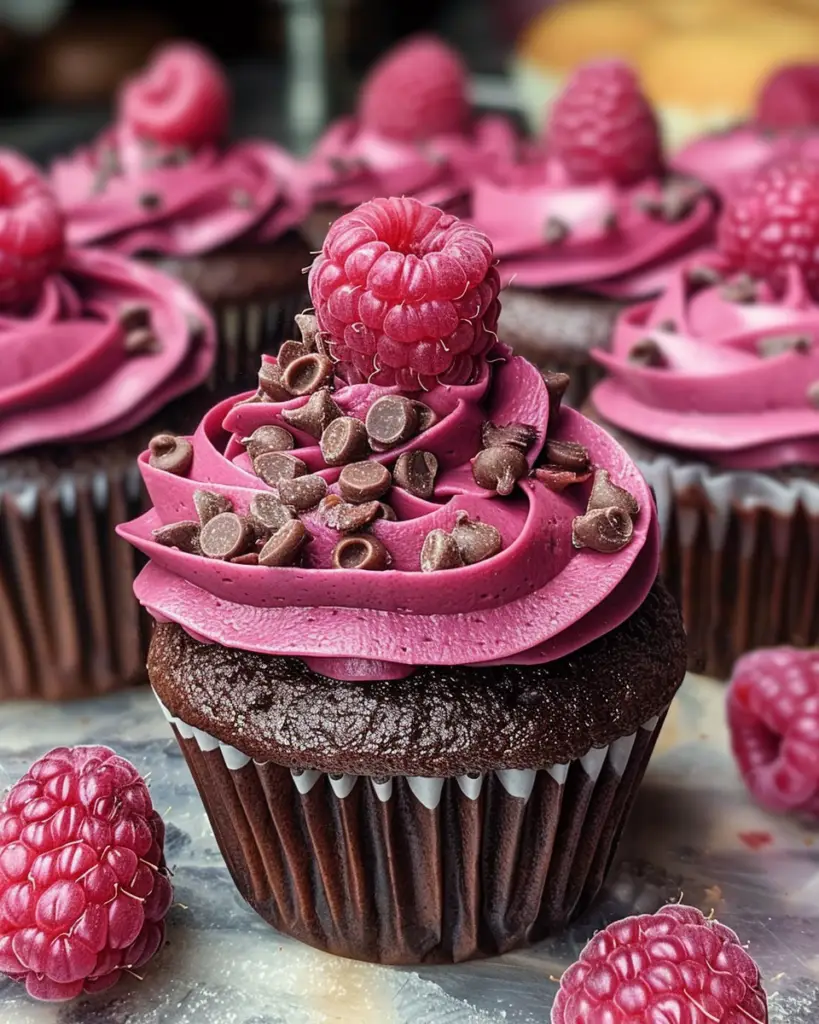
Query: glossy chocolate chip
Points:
[386, 512]
[741, 289]
[289, 352]
[566, 455]
[303, 492]
[268, 438]
[248, 558]
[315, 415]
[606, 494]
[134, 315]
[647, 352]
[703, 276]
[364, 481]
[415, 472]
[268, 514]
[498, 469]
[557, 479]
[226, 536]
[475, 541]
[603, 529]
[171, 454]
[426, 417]
[307, 324]
[284, 545]
[273, 467]
[307, 374]
[518, 435]
[360, 553]
[346, 517]
[183, 535]
[209, 504]
[141, 341]
[391, 421]
[344, 440]
[556, 385]
[777, 344]
[439, 552]
[270, 383]
[149, 200]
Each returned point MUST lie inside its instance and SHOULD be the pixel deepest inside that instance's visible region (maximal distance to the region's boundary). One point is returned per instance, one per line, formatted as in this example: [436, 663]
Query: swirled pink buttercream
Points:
[538, 599]
[67, 373]
[732, 382]
[139, 196]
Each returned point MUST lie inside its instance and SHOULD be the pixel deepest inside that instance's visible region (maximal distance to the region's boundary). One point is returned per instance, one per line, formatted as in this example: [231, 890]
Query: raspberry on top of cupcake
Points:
[725, 364]
[91, 343]
[590, 204]
[163, 180]
[784, 125]
[400, 490]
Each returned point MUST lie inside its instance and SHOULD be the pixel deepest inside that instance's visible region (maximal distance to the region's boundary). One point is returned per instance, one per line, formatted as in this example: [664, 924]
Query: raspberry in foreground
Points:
[406, 295]
[790, 98]
[31, 230]
[83, 885]
[773, 715]
[602, 127]
[773, 223]
[181, 99]
[415, 92]
[672, 967]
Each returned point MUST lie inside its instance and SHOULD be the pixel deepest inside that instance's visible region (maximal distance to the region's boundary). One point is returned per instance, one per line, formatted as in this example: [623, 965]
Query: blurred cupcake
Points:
[715, 389]
[365, 639]
[162, 184]
[585, 221]
[94, 349]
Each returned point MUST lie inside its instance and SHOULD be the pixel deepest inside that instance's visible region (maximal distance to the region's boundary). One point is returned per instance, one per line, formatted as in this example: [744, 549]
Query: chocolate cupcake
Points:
[586, 221]
[712, 389]
[410, 639]
[161, 185]
[95, 349]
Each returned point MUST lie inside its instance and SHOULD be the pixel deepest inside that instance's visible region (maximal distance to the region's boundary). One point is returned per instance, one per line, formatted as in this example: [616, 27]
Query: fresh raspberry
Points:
[773, 714]
[602, 126]
[416, 91]
[406, 295]
[672, 967]
[181, 99]
[790, 98]
[773, 223]
[83, 886]
[31, 230]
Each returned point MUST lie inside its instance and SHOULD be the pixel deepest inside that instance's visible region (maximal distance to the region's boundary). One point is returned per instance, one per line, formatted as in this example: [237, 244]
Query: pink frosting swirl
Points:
[608, 239]
[538, 599]
[67, 372]
[731, 381]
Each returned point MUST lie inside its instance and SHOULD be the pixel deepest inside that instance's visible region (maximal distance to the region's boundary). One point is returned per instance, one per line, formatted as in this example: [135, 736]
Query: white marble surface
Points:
[223, 965]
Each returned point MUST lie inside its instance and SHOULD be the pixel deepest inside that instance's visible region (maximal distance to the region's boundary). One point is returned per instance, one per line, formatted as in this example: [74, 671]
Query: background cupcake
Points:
[715, 388]
[93, 346]
[162, 184]
[584, 221]
[393, 667]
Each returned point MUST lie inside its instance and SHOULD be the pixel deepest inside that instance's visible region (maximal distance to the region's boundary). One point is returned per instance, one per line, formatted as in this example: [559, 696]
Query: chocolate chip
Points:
[610, 223]
[603, 529]
[606, 494]
[668, 325]
[498, 469]
[242, 199]
[703, 276]
[184, 535]
[813, 393]
[268, 438]
[647, 352]
[557, 479]
[741, 288]
[248, 558]
[303, 492]
[777, 344]
[133, 315]
[268, 514]
[170, 453]
[273, 467]
[270, 383]
[307, 324]
[315, 415]
[415, 472]
[346, 517]
[209, 504]
[284, 546]
[226, 536]
[150, 200]
[307, 374]
[555, 231]
[289, 353]
[360, 553]
[426, 417]
[518, 435]
[475, 541]
[679, 199]
[364, 481]
[440, 552]
[141, 341]
[391, 421]
[343, 440]
[566, 455]
[386, 512]
[556, 385]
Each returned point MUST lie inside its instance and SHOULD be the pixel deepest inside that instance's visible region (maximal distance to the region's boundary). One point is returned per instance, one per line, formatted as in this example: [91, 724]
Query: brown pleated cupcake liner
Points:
[69, 624]
[741, 556]
[409, 870]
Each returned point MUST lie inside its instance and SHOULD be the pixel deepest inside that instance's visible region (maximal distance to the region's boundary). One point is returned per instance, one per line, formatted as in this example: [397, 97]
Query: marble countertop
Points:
[694, 834]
